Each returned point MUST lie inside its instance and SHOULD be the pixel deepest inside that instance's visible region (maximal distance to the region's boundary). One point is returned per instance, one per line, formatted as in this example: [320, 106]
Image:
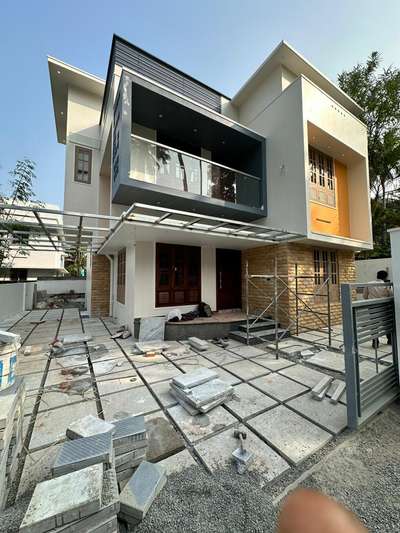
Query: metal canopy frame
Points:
[149, 215]
[40, 233]
[45, 235]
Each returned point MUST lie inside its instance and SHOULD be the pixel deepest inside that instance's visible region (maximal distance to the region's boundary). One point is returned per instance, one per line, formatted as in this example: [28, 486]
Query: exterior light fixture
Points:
[195, 130]
[160, 115]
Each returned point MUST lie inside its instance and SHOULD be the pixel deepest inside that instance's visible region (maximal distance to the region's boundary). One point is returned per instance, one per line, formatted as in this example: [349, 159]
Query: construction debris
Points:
[200, 391]
[242, 457]
[338, 392]
[11, 434]
[198, 344]
[75, 339]
[140, 492]
[321, 388]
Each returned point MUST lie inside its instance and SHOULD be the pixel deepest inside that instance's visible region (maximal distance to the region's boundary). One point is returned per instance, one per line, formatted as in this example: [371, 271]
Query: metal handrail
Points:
[195, 157]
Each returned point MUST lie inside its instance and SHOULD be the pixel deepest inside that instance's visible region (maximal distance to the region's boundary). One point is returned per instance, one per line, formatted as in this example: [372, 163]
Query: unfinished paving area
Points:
[272, 400]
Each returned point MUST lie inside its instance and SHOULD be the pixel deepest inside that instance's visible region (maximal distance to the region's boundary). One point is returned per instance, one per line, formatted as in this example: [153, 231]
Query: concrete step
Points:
[258, 336]
[258, 326]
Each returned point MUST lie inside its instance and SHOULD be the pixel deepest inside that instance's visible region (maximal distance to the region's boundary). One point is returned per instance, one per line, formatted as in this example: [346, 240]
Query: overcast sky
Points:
[220, 42]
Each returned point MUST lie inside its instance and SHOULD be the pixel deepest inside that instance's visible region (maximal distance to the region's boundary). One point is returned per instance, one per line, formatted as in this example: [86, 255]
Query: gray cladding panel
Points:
[130, 57]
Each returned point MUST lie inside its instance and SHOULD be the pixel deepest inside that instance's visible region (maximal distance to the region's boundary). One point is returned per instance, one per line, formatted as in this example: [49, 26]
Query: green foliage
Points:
[75, 263]
[377, 91]
[13, 244]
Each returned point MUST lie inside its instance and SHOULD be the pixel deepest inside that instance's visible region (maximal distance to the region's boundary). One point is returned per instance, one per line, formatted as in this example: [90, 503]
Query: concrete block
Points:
[186, 405]
[129, 429]
[141, 490]
[338, 392]
[278, 387]
[61, 500]
[248, 401]
[80, 453]
[110, 526]
[164, 440]
[292, 435]
[193, 379]
[126, 458]
[208, 392]
[329, 416]
[198, 344]
[88, 426]
[328, 360]
[320, 389]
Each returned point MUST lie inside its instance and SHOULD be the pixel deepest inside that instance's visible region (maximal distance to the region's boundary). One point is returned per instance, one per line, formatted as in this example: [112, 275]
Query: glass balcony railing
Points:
[158, 164]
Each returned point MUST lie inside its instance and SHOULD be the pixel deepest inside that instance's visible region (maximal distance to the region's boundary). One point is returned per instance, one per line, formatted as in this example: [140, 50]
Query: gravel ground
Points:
[361, 470]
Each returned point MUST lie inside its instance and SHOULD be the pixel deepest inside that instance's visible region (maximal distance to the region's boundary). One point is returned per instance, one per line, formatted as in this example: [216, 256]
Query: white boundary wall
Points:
[395, 246]
[366, 269]
[12, 299]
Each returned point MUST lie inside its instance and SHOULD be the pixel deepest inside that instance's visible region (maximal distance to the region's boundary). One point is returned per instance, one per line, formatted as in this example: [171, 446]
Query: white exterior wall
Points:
[125, 313]
[366, 269]
[395, 246]
[12, 299]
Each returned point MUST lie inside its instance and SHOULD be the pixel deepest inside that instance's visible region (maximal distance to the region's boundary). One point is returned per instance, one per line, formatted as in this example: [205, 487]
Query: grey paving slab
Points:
[248, 401]
[64, 499]
[222, 357]
[246, 369]
[332, 417]
[117, 382]
[129, 429]
[141, 490]
[105, 367]
[199, 426]
[291, 434]
[151, 328]
[303, 374]
[178, 462]
[161, 372]
[278, 387]
[163, 439]
[328, 360]
[143, 360]
[162, 391]
[246, 351]
[271, 362]
[227, 376]
[217, 452]
[88, 426]
[80, 453]
[53, 398]
[367, 369]
[194, 378]
[50, 426]
[188, 364]
[128, 402]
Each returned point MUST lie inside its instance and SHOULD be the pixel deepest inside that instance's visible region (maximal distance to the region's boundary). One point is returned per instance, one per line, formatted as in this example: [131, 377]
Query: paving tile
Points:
[163, 439]
[117, 382]
[141, 360]
[328, 360]
[56, 501]
[161, 372]
[248, 401]
[50, 426]
[162, 391]
[37, 468]
[303, 374]
[198, 426]
[223, 357]
[217, 452]
[178, 462]
[278, 387]
[368, 369]
[291, 434]
[128, 402]
[188, 364]
[270, 361]
[246, 351]
[227, 376]
[331, 417]
[88, 426]
[246, 369]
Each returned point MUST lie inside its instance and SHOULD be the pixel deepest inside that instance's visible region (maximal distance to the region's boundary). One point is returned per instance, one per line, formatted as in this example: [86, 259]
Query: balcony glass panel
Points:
[161, 165]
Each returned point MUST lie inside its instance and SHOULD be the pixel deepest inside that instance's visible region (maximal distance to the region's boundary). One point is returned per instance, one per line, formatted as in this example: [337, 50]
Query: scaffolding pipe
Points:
[276, 305]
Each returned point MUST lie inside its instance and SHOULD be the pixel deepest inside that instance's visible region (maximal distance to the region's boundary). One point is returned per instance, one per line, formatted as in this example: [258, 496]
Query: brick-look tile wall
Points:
[100, 286]
[261, 261]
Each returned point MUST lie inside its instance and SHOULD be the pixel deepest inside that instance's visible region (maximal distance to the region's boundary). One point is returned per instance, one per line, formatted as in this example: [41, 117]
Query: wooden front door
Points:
[229, 279]
[178, 275]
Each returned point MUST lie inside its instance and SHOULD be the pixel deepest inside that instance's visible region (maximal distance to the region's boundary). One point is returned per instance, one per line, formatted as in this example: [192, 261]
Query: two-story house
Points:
[287, 152]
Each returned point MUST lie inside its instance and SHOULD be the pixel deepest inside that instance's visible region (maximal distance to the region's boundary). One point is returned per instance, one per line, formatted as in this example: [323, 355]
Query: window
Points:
[178, 275]
[325, 263]
[83, 164]
[121, 276]
[321, 176]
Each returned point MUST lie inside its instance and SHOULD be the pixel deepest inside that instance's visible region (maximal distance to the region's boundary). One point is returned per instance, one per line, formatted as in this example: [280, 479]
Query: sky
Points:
[220, 42]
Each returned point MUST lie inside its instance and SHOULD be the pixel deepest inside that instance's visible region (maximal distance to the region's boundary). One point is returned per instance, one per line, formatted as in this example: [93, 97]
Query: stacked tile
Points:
[140, 492]
[130, 445]
[11, 434]
[200, 391]
[83, 500]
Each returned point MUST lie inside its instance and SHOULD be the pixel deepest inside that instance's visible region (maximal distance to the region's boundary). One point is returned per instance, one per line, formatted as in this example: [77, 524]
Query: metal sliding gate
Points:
[364, 321]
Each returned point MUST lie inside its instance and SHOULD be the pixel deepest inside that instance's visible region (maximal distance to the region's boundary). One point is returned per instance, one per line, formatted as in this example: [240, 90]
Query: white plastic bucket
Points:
[8, 362]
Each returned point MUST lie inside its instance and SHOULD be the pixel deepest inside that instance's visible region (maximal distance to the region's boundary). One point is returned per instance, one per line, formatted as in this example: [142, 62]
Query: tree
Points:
[14, 238]
[377, 91]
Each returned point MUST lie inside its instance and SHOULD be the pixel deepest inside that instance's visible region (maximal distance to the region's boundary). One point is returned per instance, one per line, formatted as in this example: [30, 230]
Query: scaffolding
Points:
[280, 285]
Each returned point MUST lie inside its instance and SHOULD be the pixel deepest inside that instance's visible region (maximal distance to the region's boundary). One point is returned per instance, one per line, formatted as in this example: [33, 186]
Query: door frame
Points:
[217, 280]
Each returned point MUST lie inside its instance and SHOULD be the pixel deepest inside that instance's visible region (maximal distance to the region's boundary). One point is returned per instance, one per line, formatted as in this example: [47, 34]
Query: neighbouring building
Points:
[31, 257]
[287, 152]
